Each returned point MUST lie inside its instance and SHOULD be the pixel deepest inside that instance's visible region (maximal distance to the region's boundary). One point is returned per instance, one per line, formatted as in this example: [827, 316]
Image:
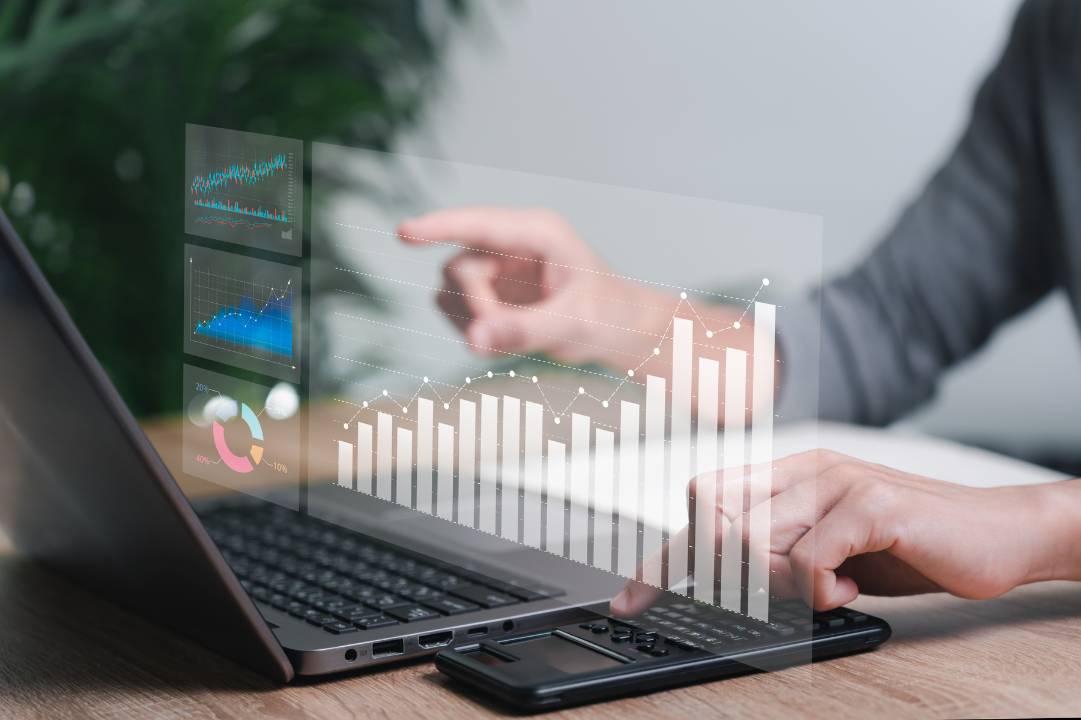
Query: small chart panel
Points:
[244, 188]
[242, 435]
[243, 312]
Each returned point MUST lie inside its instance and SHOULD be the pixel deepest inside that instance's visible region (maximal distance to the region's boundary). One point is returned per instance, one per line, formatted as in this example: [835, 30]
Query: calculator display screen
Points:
[562, 654]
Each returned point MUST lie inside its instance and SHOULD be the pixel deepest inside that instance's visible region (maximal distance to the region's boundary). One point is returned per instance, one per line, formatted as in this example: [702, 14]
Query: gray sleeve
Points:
[974, 249]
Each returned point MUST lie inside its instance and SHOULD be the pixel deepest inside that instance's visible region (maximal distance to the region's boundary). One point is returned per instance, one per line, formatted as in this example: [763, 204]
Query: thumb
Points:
[493, 325]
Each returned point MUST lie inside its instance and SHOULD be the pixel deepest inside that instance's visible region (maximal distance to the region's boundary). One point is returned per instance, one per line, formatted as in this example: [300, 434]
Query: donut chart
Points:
[225, 412]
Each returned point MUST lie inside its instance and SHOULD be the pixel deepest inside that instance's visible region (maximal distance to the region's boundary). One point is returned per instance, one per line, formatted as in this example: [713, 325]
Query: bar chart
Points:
[610, 496]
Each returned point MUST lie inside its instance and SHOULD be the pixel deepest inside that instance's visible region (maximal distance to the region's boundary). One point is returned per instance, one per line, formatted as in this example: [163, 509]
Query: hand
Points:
[524, 282]
[841, 526]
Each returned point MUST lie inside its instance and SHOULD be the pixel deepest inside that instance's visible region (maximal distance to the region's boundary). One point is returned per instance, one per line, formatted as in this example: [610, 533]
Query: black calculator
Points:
[676, 642]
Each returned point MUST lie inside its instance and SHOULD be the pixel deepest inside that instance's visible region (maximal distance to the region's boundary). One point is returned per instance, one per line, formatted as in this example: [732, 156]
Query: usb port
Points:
[386, 648]
[477, 631]
[435, 640]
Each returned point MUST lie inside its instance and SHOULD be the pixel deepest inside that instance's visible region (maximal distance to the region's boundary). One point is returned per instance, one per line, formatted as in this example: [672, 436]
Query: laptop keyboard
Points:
[344, 581]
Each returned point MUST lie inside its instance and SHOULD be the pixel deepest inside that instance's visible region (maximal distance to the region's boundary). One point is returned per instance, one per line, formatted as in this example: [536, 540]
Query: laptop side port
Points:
[435, 640]
[387, 648]
[478, 631]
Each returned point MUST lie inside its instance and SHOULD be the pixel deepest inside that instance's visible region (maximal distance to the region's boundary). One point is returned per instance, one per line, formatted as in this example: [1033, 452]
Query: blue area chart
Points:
[266, 329]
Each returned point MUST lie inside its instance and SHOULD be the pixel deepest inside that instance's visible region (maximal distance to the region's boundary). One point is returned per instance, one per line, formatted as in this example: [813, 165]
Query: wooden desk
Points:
[67, 654]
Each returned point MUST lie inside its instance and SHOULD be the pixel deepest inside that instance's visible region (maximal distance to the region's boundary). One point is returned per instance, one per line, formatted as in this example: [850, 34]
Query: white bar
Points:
[467, 449]
[511, 469]
[735, 410]
[604, 490]
[444, 491]
[532, 475]
[758, 537]
[364, 459]
[629, 489]
[345, 464]
[653, 477]
[403, 478]
[489, 451]
[705, 503]
[580, 481]
[423, 499]
[679, 475]
[556, 498]
[385, 456]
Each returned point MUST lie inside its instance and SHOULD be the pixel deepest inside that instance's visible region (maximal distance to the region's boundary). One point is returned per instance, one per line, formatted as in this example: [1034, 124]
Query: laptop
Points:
[83, 490]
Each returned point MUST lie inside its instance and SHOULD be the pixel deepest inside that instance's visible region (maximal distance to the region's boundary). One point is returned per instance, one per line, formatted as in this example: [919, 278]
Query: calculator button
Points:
[645, 647]
[658, 652]
[599, 629]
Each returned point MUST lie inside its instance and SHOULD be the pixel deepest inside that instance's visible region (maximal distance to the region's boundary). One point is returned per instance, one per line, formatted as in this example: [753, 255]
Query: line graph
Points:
[684, 311]
[243, 311]
[244, 188]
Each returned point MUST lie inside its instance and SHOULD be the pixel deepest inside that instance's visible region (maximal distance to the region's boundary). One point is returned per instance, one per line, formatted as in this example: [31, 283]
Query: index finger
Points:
[476, 228]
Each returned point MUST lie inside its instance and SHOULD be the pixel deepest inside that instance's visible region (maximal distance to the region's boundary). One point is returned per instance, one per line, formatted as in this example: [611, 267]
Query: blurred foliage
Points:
[94, 96]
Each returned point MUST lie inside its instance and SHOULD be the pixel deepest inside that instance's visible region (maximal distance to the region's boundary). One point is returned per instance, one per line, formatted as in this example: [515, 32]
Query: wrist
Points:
[1056, 527]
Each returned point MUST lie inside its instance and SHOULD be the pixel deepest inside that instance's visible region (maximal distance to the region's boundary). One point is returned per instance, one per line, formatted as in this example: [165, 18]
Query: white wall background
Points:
[839, 108]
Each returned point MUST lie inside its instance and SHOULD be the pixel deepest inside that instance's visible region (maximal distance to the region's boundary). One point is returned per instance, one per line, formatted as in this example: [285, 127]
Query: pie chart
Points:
[225, 412]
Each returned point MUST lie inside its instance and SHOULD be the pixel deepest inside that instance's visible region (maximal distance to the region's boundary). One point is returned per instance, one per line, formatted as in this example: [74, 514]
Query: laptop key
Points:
[377, 621]
[319, 618]
[338, 627]
[384, 601]
[482, 596]
[411, 613]
[450, 605]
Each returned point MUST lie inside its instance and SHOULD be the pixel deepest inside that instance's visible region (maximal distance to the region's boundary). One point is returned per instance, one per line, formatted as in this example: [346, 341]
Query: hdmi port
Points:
[386, 648]
[435, 640]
